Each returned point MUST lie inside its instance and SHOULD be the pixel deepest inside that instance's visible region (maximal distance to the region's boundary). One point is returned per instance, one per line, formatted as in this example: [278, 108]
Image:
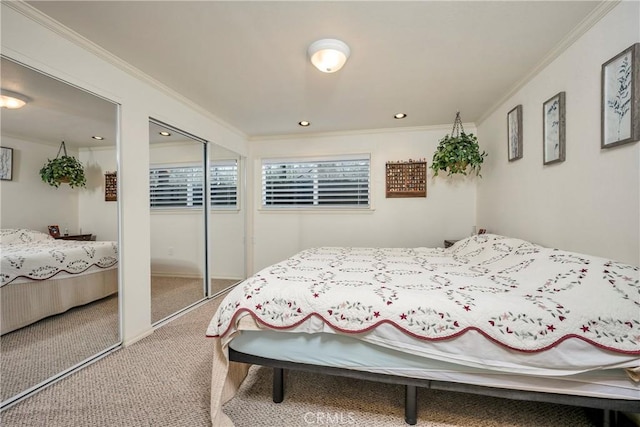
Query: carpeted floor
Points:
[34, 353]
[164, 380]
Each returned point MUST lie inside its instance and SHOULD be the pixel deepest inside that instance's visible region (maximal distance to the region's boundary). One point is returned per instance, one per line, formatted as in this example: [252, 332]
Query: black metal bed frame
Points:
[610, 407]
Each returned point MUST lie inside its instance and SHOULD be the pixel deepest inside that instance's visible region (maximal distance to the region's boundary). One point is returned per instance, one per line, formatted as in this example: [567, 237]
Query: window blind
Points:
[182, 186]
[316, 183]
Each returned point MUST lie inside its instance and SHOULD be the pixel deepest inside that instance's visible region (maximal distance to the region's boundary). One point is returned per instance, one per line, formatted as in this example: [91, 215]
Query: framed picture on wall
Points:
[6, 163]
[553, 129]
[514, 133]
[621, 98]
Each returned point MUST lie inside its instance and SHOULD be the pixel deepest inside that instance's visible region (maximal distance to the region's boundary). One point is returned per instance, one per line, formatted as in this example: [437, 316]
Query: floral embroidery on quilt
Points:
[34, 255]
[518, 294]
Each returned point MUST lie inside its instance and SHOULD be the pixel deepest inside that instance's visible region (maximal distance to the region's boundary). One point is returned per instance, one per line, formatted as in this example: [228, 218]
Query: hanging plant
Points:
[458, 152]
[63, 169]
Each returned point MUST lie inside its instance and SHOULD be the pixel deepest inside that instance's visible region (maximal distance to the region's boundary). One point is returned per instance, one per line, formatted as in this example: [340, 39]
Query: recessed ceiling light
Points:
[304, 123]
[99, 138]
[400, 116]
[164, 133]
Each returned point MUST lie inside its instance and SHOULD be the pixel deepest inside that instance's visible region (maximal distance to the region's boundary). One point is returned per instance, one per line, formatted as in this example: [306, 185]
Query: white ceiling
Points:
[245, 62]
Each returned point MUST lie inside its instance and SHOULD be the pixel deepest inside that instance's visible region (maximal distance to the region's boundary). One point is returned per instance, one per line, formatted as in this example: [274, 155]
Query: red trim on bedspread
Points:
[237, 314]
[74, 273]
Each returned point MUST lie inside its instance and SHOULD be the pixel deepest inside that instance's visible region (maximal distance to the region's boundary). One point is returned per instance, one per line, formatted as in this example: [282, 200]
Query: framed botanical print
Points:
[621, 98]
[553, 129]
[6, 163]
[514, 133]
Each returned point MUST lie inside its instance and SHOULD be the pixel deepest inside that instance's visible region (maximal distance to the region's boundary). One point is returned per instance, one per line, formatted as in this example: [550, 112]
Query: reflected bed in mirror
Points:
[59, 296]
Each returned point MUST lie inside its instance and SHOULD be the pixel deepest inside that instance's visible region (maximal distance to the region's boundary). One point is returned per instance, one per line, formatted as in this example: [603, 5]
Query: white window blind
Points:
[316, 183]
[181, 186]
[224, 184]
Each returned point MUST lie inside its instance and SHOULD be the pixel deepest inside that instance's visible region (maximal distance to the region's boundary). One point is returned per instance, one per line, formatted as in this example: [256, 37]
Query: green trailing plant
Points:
[63, 169]
[458, 152]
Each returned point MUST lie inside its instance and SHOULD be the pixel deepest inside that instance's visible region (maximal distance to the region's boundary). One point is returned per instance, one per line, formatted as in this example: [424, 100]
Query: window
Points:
[181, 186]
[316, 183]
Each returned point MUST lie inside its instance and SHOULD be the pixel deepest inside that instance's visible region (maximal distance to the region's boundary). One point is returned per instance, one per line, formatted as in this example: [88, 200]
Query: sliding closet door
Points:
[177, 179]
[54, 321]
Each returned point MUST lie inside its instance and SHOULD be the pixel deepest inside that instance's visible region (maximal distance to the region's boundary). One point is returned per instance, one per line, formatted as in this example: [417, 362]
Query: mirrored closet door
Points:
[59, 238]
[195, 234]
[178, 220]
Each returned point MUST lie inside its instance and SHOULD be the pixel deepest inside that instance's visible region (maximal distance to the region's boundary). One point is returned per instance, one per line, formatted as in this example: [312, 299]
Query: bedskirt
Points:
[25, 303]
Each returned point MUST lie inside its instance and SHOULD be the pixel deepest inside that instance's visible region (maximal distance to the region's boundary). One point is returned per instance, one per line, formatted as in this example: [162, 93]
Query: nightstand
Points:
[85, 237]
[448, 243]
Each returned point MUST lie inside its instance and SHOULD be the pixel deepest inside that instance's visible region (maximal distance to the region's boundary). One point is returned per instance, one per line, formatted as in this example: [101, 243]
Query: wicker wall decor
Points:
[407, 178]
[110, 187]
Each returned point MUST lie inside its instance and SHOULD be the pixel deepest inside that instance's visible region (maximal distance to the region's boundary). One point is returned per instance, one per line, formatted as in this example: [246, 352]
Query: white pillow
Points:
[10, 236]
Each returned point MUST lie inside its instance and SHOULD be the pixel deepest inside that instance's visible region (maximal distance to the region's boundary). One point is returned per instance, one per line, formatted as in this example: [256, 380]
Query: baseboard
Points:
[175, 274]
[137, 338]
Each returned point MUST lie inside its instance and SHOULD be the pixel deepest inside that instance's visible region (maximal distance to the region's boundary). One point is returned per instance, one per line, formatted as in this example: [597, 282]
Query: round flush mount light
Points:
[98, 137]
[165, 133]
[304, 123]
[328, 55]
[399, 116]
[12, 100]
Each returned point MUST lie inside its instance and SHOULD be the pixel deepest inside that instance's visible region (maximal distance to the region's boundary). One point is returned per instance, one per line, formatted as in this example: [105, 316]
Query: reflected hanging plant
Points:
[63, 169]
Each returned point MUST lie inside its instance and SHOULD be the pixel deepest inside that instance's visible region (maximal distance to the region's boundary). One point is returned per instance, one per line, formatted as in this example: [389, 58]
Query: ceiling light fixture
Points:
[328, 55]
[304, 123]
[12, 100]
[400, 116]
[98, 137]
[164, 133]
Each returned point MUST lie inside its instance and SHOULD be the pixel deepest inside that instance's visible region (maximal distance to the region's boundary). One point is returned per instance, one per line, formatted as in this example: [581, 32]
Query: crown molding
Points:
[56, 27]
[446, 127]
[578, 31]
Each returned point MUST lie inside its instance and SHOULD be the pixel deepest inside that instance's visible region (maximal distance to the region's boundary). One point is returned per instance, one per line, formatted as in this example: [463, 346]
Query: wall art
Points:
[514, 133]
[621, 98]
[553, 129]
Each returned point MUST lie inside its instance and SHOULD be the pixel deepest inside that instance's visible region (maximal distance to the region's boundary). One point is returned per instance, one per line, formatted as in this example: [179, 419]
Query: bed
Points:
[41, 276]
[490, 315]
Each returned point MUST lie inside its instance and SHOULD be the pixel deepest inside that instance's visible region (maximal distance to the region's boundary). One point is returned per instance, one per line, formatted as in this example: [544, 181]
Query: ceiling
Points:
[246, 63]
[56, 111]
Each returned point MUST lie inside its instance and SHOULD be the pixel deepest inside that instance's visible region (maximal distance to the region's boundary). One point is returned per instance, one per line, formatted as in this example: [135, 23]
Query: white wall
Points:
[28, 201]
[448, 211]
[590, 202]
[97, 216]
[35, 40]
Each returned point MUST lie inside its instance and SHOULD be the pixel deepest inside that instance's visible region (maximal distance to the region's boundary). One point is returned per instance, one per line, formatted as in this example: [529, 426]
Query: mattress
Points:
[340, 351]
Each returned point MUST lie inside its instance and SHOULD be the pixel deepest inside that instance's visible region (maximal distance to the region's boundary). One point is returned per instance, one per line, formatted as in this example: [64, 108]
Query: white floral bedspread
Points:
[32, 255]
[518, 294]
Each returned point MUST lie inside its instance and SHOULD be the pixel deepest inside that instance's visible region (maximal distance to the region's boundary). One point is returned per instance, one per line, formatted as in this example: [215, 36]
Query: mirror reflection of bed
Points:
[59, 297]
[179, 228]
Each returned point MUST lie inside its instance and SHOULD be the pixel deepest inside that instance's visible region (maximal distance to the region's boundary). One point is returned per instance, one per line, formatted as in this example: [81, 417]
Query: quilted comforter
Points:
[520, 295]
[32, 255]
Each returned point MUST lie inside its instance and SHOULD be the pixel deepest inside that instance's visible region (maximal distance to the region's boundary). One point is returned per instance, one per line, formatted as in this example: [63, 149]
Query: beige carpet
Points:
[164, 380]
[36, 352]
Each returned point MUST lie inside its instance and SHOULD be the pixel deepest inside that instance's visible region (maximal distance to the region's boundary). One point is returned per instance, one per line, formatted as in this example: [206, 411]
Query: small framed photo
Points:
[6, 163]
[514, 133]
[54, 231]
[553, 129]
[621, 98]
